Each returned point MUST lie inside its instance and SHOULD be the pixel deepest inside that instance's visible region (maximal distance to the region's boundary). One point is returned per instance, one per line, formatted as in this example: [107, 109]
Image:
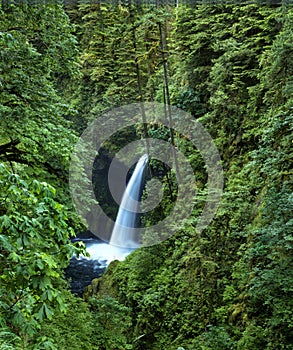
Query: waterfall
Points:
[124, 230]
[123, 238]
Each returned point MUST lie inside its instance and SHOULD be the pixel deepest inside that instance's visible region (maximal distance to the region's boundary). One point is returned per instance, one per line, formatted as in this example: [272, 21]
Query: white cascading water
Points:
[123, 238]
[124, 230]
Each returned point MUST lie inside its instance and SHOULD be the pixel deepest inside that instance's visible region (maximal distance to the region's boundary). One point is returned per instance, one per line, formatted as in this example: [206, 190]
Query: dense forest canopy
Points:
[230, 65]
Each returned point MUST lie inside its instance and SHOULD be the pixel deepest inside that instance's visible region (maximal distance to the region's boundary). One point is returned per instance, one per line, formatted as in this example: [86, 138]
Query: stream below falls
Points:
[81, 271]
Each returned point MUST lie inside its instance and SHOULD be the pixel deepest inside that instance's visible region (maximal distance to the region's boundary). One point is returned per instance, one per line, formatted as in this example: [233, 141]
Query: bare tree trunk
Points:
[167, 97]
[138, 79]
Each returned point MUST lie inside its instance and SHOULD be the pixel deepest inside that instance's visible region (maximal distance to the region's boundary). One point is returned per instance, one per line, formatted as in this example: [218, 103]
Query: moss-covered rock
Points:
[104, 285]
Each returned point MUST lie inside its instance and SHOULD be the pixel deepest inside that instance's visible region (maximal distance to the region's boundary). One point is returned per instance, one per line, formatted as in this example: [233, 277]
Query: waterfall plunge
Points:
[124, 230]
[123, 239]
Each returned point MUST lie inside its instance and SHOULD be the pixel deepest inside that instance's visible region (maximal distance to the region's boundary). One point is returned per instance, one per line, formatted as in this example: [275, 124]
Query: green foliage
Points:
[37, 50]
[73, 329]
[212, 338]
[112, 321]
[229, 287]
[34, 248]
[8, 340]
[95, 324]
[269, 257]
[120, 51]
